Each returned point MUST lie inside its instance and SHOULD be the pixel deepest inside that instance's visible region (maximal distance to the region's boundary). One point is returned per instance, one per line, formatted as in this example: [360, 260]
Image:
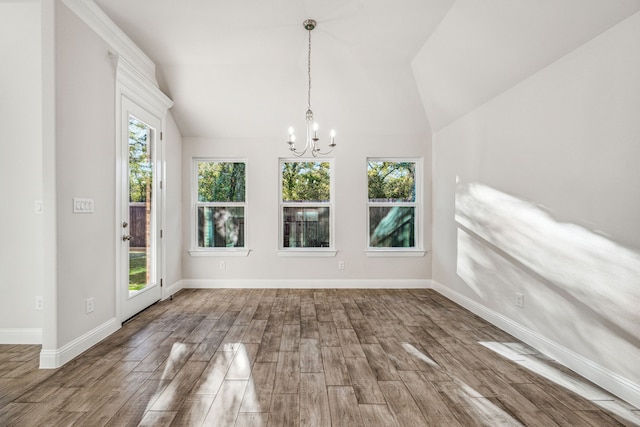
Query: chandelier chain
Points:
[309, 72]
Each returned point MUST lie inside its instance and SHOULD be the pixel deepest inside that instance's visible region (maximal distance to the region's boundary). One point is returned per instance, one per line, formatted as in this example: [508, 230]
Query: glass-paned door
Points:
[139, 276]
[141, 207]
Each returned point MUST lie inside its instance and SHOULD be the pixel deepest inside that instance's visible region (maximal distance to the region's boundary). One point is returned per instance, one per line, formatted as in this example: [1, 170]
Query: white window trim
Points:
[195, 250]
[418, 249]
[395, 252]
[221, 252]
[307, 252]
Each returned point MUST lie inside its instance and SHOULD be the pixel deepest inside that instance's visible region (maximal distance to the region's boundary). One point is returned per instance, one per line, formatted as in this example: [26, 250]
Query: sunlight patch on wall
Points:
[583, 266]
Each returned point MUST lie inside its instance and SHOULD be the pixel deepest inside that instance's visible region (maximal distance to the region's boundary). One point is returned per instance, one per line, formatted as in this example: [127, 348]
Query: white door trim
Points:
[134, 89]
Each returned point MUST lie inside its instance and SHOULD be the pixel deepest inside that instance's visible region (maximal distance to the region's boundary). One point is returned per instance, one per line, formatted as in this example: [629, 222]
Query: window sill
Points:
[219, 252]
[317, 253]
[392, 253]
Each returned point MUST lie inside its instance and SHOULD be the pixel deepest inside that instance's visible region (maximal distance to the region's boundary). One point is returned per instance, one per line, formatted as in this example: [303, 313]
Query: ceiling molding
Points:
[99, 22]
[139, 88]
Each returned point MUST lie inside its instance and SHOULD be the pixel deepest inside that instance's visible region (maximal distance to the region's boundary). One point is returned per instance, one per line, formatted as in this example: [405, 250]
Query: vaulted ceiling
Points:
[238, 68]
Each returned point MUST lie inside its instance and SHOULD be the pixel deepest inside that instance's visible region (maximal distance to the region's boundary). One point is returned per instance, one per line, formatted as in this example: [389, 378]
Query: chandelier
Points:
[312, 127]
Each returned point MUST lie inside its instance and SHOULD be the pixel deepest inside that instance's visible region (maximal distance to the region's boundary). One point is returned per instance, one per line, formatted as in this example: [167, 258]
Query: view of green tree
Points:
[392, 181]
[306, 182]
[140, 165]
[221, 181]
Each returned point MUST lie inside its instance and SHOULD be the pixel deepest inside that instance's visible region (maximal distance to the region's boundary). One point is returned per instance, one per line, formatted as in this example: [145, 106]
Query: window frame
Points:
[307, 251]
[196, 250]
[417, 250]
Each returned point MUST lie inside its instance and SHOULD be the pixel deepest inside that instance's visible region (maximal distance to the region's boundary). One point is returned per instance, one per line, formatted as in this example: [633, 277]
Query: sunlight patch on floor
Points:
[178, 352]
[227, 376]
[468, 395]
[418, 354]
[574, 384]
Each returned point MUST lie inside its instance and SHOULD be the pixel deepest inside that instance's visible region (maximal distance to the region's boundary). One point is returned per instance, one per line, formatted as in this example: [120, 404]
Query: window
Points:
[306, 208]
[393, 207]
[220, 204]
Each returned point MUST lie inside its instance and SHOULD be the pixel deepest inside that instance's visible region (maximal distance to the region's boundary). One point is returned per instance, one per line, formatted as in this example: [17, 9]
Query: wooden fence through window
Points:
[138, 220]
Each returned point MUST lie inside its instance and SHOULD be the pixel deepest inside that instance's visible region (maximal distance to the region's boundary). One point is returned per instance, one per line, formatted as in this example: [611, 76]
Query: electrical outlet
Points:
[519, 300]
[340, 265]
[223, 265]
[38, 302]
[90, 305]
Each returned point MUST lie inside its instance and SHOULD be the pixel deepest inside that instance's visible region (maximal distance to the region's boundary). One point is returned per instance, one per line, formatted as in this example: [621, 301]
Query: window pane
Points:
[221, 182]
[391, 226]
[392, 181]
[306, 182]
[305, 227]
[140, 162]
[220, 227]
[141, 209]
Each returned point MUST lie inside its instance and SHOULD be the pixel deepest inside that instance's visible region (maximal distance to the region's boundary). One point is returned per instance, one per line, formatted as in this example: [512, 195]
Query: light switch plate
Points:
[82, 205]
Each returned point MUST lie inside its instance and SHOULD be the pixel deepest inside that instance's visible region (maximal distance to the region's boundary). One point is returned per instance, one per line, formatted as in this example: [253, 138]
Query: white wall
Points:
[263, 267]
[79, 159]
[536, 192]
[21, 229]
[85, 153]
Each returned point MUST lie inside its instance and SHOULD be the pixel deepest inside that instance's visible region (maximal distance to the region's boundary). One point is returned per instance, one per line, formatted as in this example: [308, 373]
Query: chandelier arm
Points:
[323, 153]
[300, 153]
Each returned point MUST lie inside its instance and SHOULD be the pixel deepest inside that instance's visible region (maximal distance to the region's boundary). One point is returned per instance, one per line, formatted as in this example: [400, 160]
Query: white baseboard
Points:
[51, 359]
[610, 381]
[307, 283]
[21, 336]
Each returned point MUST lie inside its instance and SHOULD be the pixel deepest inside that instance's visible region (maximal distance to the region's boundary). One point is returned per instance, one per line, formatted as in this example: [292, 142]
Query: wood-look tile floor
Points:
[288, 357]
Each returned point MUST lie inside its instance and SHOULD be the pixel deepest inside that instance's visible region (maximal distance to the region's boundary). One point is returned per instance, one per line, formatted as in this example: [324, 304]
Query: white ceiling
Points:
[482, 48]
[238, 68]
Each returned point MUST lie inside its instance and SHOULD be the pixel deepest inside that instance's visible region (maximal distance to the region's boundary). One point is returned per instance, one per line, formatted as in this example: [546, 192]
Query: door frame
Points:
[134, 89]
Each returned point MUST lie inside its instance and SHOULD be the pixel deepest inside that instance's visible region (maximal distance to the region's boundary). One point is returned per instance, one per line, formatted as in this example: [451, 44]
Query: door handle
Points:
[126, 237]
